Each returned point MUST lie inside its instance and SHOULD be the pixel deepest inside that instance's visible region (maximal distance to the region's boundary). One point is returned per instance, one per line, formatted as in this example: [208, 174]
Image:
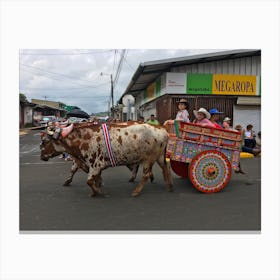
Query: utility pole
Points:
[112, 91]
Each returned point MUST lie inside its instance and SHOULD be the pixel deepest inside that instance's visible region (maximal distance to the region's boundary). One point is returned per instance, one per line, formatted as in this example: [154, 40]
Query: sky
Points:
[73, 76]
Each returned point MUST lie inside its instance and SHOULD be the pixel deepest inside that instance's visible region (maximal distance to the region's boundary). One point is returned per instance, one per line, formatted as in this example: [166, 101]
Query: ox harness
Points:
[108, 144]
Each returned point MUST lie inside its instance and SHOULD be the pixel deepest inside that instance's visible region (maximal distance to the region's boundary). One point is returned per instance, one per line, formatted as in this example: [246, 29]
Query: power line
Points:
[65, 53]
[119, 67]
[63, 89]
[125, 60]
[114, 61]
[60, 75]
[55, 73]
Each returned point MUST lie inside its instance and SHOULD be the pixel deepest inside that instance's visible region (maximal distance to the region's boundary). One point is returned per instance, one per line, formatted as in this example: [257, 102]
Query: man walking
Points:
[153, 120]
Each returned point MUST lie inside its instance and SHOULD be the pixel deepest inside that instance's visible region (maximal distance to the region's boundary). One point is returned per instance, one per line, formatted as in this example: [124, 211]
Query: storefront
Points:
[229, 81]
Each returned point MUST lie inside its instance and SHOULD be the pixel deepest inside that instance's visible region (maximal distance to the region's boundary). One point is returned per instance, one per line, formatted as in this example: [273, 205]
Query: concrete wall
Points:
[247, 114]
[28, 114]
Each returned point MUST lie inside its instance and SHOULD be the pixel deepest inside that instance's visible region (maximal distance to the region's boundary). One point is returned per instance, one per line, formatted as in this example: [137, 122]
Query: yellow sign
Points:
[234, 84]
[151, 91]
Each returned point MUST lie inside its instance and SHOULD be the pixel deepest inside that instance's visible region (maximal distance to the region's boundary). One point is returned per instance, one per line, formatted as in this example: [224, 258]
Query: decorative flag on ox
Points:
[108, 144]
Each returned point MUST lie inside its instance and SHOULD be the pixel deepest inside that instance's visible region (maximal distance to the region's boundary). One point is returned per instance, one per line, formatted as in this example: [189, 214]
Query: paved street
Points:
[46, 205]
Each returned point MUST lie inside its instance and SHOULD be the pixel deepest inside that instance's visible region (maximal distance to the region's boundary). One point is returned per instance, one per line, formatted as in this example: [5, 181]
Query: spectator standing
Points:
[239, 129]
[245, 148]
[258, 142]
[141, 119]
[215, 116]
[250, 140]
[153, 120]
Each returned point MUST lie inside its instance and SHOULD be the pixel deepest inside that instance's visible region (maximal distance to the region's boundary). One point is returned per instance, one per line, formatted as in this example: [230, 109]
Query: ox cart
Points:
[205, 155]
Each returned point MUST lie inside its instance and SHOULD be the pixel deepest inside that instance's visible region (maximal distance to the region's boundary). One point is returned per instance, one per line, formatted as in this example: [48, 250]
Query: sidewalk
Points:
[24, 131]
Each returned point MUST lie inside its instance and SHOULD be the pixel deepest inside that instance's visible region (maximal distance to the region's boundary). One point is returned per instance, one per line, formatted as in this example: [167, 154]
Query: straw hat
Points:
[227, 119]
[182, 100]
[204, 111]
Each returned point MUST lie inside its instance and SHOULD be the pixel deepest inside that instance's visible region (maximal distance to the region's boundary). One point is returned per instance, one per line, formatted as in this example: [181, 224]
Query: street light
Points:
[112, 88]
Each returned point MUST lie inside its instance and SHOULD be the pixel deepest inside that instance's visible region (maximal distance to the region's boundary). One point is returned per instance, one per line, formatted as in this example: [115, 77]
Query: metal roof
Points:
[148, 72]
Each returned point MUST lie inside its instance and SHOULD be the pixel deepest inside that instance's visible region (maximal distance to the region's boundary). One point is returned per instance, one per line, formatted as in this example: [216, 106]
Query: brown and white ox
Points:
[132, 144]
[58, 149]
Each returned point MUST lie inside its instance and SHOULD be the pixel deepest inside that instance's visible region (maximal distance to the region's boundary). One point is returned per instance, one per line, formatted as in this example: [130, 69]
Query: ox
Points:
[132, 144]
[55, 150]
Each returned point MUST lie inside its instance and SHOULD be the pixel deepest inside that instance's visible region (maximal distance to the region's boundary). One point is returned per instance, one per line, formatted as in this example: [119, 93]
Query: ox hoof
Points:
[152, 179]
[92, 195]
[134, 194]
[170, 189]
[66, 183]
[105, 194]
[131, 180]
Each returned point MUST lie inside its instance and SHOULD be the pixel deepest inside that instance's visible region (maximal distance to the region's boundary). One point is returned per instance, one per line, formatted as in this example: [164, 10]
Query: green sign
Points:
[199, 83]
[158, 87]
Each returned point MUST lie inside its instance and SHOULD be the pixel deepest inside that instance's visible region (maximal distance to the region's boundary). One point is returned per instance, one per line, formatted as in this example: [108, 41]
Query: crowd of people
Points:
[251, 143]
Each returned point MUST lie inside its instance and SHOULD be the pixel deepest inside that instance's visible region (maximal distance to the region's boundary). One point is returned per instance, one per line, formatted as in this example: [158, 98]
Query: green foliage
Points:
[22, 98]
[100, 114]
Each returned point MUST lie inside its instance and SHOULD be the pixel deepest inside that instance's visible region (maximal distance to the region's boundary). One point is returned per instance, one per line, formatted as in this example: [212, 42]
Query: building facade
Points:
[229, 81]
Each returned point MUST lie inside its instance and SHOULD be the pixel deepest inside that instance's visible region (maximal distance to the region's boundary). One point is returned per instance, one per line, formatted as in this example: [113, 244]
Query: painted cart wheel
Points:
[180, 168]
[210, 171]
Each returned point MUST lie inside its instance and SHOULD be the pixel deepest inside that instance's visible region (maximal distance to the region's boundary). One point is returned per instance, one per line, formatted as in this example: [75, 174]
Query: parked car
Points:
[77, 120]
[45, 119]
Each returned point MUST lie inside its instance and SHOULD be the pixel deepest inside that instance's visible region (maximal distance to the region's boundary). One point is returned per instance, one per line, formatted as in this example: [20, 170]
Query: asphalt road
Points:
[45, 205]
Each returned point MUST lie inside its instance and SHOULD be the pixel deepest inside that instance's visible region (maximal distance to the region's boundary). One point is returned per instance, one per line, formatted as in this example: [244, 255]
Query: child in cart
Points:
[182, 114]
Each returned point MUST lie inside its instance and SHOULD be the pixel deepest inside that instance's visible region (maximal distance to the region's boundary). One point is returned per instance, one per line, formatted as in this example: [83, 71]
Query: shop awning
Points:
[249, 100]
[148, 72]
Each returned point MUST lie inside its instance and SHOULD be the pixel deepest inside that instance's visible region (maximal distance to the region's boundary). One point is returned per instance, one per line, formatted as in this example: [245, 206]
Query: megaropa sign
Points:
[233, 84]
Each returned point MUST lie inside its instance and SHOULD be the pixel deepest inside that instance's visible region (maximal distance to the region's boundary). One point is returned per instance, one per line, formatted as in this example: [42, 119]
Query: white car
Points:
[45, 119]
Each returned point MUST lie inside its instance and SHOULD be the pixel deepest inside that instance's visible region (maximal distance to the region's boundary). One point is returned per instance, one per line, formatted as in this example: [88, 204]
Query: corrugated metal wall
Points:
[222, 103]
[167, 106]
[240, 66]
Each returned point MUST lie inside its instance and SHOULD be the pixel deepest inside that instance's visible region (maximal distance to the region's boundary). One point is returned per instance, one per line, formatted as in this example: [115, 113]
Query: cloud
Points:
[73, 76]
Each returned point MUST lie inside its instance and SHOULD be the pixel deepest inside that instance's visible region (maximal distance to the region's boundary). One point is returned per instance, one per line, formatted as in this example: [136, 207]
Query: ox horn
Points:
[49, 132]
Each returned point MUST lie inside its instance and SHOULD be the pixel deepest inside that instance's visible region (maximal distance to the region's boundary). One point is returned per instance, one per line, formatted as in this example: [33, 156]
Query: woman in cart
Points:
[202, 117]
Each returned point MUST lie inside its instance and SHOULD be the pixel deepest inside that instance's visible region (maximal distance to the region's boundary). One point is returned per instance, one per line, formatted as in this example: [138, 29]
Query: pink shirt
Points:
[183, 116]
[205, 122]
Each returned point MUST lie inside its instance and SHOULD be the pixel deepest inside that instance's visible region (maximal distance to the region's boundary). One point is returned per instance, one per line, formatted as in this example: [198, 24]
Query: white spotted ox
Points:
[132, 144]
[58, 149]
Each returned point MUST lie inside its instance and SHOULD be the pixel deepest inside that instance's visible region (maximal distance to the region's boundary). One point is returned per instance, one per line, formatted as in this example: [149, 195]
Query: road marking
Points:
[38, 163]
[30, 151]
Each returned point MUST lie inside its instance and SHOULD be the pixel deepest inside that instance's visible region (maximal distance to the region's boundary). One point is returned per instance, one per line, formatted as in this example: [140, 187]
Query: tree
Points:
[22, 98]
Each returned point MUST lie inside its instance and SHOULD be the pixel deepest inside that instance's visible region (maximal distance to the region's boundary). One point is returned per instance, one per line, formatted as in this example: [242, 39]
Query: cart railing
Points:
[186, 140]
[205, 134]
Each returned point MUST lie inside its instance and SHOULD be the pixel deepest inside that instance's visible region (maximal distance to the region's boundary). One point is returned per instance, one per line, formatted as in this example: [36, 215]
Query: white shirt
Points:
[183, 116]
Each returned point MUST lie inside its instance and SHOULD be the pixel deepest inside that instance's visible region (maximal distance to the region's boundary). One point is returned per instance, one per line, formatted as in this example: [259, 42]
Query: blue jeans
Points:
[250, 143]
[247, 150]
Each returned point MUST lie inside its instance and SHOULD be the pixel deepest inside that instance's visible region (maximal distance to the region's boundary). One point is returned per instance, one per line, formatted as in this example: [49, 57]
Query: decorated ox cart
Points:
[204, 154]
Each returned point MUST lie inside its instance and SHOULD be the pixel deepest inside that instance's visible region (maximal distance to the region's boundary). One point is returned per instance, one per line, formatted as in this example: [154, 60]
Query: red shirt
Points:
[217, 125]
